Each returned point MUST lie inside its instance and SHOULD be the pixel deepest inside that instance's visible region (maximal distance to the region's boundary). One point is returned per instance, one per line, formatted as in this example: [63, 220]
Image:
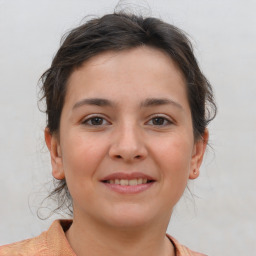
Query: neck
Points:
[88, 238]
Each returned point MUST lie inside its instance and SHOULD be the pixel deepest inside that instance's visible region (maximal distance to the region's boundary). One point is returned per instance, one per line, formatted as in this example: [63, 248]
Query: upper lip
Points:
[127, 176]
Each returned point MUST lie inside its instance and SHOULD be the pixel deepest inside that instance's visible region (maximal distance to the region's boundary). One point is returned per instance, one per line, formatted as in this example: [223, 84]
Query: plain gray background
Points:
[221, 218]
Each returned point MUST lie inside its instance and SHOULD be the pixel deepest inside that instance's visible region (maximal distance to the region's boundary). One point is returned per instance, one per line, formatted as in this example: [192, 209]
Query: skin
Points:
[128, 138]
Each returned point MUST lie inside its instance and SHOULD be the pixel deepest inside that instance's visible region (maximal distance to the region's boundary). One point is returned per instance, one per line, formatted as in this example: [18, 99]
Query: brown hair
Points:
[117, 32]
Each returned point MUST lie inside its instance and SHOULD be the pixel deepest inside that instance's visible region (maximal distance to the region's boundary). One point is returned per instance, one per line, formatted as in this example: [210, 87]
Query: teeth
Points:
[123, 182]
[133, 182]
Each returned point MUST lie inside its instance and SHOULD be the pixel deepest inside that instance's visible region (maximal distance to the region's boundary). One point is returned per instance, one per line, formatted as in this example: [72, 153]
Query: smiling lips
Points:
[126, 182]
[129, 183]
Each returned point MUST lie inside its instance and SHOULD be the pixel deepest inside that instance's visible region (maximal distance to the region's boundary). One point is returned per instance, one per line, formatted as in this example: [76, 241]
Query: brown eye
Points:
[95, 121]
[159, 121]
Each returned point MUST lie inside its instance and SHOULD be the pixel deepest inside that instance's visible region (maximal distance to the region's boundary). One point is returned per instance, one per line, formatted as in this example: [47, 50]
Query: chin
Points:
[130, 216]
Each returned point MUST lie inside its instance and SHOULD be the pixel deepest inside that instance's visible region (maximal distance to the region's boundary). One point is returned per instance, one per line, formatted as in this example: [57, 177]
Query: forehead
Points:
[144, 70]
[153, 59]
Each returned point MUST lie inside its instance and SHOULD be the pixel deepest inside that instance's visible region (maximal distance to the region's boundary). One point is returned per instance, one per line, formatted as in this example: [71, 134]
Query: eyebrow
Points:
[107, 103]
[94, 101]
[160, 101]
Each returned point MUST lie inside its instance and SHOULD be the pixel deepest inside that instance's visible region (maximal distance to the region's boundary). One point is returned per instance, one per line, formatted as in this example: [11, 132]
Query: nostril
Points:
[136, 157]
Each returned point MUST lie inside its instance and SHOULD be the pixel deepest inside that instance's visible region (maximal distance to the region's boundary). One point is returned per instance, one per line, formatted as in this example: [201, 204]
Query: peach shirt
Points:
[53, 242]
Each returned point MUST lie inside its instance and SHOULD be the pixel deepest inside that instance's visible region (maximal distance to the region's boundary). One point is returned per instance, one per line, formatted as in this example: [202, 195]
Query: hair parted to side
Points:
[117, 32]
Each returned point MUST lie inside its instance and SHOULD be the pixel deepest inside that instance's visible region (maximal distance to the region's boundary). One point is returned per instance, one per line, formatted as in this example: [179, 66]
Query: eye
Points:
[159, 121]
[95, 121]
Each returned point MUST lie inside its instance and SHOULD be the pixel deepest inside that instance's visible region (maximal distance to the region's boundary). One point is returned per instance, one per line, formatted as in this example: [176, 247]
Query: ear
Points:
[198, 154]
[53, 145]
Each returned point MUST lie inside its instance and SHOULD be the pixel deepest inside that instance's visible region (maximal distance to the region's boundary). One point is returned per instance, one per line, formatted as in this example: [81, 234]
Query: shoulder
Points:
[51, 242]
[33, 246]
[182, 250]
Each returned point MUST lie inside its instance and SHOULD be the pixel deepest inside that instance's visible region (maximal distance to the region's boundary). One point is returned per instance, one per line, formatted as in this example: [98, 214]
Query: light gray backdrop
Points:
[222, 220]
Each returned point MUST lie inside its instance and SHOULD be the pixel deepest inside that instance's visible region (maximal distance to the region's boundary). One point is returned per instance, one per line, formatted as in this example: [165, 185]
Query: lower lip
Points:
[129, 189]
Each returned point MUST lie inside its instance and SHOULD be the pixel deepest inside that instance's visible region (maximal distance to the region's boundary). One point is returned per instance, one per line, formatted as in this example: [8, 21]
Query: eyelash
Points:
[85, 122]
[165, 120]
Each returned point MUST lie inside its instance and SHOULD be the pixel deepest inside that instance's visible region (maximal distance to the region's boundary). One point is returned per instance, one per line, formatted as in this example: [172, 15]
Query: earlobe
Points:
[198, 154]
[55, 152]
[194, 174]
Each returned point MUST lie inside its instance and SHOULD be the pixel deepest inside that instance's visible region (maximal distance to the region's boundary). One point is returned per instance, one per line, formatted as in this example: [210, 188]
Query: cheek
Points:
[81, 157]
[174, 158]
[175, 153]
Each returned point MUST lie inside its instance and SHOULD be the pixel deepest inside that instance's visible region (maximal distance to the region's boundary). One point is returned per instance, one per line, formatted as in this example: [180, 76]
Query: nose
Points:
[128, 144]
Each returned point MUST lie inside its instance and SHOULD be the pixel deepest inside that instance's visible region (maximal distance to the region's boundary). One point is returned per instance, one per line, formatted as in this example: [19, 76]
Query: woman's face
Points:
[126, 145]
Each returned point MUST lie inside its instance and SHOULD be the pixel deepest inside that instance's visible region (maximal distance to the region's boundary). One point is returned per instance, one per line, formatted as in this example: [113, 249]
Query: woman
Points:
[127, 114]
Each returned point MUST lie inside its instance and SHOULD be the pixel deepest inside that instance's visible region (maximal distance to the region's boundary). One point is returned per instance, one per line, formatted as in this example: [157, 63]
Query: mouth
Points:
[128, 183]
